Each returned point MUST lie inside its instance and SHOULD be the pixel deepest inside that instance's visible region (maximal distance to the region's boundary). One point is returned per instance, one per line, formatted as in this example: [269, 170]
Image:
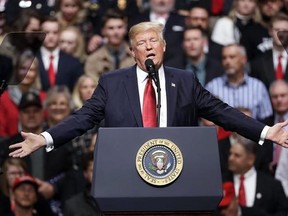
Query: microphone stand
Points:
[155, 77]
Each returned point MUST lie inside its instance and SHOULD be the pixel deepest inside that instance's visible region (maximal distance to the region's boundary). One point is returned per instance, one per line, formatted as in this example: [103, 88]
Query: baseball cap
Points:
[25, 179]
[228, 193]
[30, 99]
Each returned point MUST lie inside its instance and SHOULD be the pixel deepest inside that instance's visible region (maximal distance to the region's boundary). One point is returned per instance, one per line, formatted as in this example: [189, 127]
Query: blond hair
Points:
[78, 102]
[80, 52]
[146, 26]
[256, 16]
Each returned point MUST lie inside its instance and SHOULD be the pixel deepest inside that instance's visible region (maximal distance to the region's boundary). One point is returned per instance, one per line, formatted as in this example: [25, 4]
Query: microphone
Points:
[150, 66]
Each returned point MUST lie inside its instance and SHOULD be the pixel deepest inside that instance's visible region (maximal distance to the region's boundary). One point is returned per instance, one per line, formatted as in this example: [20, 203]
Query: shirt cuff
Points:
[263, 135]
[49, 141]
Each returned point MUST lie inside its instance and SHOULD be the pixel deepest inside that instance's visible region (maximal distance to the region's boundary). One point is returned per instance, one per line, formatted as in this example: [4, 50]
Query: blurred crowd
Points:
[234, 47]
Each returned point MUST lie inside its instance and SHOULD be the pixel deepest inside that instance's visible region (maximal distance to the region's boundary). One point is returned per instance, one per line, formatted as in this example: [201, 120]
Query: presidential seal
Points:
[159, 162]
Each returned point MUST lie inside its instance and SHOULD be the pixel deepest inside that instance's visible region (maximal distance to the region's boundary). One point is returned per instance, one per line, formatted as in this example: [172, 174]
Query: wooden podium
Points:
[120, 190]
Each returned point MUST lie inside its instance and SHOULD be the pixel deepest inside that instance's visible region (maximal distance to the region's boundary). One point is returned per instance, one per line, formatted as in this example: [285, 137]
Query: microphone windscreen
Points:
[149, 64]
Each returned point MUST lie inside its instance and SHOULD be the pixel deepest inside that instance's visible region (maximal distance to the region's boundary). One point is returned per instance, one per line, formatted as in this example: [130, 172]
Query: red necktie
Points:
[279, 70]
[241, 195]
[51, 71]
[149, 105]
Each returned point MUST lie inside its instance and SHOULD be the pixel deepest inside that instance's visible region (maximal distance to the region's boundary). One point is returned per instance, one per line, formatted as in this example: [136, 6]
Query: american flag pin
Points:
[173, 85]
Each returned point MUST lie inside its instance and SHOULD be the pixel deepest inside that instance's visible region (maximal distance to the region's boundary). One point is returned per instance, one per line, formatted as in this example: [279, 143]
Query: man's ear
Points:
[164, 47]
[132, 52]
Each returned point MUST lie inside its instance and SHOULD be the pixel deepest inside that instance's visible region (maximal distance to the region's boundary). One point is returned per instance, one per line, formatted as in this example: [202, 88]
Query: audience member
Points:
[244, 26]
[30, 21]
[14, 168]
[162, 11]
[115, 53]
[72, 13]
[204, 67]
[83, 203]
[281, 170]
[254, 190]
[272, 64]
[83, 90]
[237, 88]
[198, 17]
[56, 67]
[12, 96]
[279, 98]
[25, 196]
[71, 41]
[269, 9]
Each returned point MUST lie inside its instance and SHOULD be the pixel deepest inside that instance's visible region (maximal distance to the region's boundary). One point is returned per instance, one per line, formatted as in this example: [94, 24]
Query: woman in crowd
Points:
[27, 79]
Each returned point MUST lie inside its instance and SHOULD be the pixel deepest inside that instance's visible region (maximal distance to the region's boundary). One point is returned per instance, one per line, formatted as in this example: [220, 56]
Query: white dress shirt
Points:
[45, 55]
[142, 80]
[250, 178]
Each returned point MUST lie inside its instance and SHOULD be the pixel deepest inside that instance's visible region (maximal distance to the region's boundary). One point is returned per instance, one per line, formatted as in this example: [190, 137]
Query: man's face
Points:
[115, 31]
[162, 6]
[233, 61]
[279, 98]
[270, 8]
[69, 9]
[199, 17]
[31, 118]
[239, 161]
[145, 45]
[275, 28]
[34, 25]
[25, 196]
[193, 43]
[68, 42]
[52, 34]
[246, 7]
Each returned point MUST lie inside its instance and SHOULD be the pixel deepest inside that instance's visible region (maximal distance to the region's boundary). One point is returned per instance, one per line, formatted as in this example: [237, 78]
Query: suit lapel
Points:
[43, 73]
[171, 95]
[130, 84]
[270, 71]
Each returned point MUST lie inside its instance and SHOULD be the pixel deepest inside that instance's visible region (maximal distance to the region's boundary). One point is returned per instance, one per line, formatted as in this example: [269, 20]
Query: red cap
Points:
[24, 179]
[228, 194]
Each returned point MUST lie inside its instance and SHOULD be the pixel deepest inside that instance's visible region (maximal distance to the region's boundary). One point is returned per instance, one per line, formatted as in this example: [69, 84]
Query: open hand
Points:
[31, 143]
[278, 134]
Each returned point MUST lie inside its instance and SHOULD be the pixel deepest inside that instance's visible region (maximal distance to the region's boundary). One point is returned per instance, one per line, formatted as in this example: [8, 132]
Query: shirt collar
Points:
[46, 52]
[226, 81]
[248, 174]
[142, 75]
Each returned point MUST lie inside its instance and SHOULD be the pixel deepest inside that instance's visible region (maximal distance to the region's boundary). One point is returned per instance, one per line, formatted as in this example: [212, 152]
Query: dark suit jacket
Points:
[68, 71]
[173, 35]
[270, 198]
[116, 99]
[213, 69]
[263, 68]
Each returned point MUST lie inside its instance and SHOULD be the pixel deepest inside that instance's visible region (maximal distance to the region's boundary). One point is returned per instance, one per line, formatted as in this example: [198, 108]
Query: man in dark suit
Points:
[66, 69]
[267, 66]
[162, 12]
[205, 67]
[120, 95]
[254, 190]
